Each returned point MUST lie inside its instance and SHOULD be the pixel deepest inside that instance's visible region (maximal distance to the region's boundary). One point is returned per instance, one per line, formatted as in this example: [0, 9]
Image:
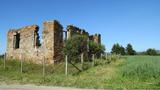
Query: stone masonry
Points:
[24, 43]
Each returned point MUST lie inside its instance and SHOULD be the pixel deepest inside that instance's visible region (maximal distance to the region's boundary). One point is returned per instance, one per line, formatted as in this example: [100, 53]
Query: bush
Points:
[97, 49]
[75, 46]
[79, 44]
[1, 56]
[111, 58]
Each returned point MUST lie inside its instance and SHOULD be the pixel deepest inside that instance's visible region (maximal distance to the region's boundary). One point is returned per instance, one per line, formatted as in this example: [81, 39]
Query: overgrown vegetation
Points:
[128, 72]
[75, 46]
[95, 48]
[79, 44]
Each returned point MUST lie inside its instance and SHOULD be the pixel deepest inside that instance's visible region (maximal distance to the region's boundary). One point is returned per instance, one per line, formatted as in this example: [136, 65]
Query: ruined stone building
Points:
[24, 43]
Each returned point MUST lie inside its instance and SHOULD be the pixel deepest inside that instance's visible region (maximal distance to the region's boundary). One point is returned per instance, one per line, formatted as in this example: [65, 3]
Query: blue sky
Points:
[119, 21]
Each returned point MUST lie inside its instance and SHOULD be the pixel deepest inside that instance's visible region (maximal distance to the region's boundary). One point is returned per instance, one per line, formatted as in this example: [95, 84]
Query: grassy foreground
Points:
[131, 72]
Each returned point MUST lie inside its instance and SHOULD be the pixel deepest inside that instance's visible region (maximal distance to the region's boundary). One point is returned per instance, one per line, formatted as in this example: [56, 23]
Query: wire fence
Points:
[65, 67]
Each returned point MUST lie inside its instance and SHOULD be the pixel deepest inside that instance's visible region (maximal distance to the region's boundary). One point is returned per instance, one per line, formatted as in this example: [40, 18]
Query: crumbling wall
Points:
[27, 39]
[52, 41]
[96, 38]
[24, 43]
[73, 30]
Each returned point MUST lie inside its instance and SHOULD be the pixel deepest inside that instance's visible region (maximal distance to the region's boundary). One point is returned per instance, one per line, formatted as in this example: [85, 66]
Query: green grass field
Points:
[129, 72]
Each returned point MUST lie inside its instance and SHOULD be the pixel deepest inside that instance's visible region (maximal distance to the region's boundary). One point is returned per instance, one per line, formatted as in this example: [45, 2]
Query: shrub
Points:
[75, 46]
[79, 44]
[95, 48]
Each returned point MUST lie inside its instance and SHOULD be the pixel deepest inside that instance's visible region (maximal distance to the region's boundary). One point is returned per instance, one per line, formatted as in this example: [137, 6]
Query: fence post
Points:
[93, 61]
[106, 56]
[4, 61]
[43, 68]
[21, 62]
[111, 57]
[82, 60]
[118, 56]
[66, 65]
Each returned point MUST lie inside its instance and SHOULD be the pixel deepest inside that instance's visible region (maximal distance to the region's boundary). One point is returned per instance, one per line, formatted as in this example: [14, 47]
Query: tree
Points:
[95, 48]
[151, 51]
[122, 50]
[130, 50]
[2, 56]
[75, 46]
[117, 49]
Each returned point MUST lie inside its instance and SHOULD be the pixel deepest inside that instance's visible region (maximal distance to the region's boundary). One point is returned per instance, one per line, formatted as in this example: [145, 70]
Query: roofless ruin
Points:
[24, 42]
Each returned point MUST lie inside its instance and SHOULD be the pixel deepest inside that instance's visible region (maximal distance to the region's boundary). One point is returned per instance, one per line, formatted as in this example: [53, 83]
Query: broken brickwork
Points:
[24, 43]
[96, 38]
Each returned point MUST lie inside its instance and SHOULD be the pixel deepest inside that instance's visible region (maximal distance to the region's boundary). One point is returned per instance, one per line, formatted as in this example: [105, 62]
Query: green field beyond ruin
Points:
[129, 72]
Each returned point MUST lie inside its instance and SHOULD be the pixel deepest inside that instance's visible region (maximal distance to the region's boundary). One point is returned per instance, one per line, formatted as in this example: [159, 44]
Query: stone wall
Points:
[27, 39]
[24, 43]
[52, 41]
[96, 38]
[73, 30]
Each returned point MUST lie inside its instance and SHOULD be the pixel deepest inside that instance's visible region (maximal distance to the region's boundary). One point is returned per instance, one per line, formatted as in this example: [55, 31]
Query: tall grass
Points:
[54, 74]
[130, 72]
[142, 67]
[140, 72]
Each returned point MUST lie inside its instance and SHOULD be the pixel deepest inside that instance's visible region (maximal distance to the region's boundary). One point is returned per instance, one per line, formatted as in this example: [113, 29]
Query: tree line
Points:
[119, 49]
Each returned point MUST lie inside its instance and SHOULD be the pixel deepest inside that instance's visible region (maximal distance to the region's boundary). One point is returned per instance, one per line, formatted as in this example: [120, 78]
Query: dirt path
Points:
[32, 87]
